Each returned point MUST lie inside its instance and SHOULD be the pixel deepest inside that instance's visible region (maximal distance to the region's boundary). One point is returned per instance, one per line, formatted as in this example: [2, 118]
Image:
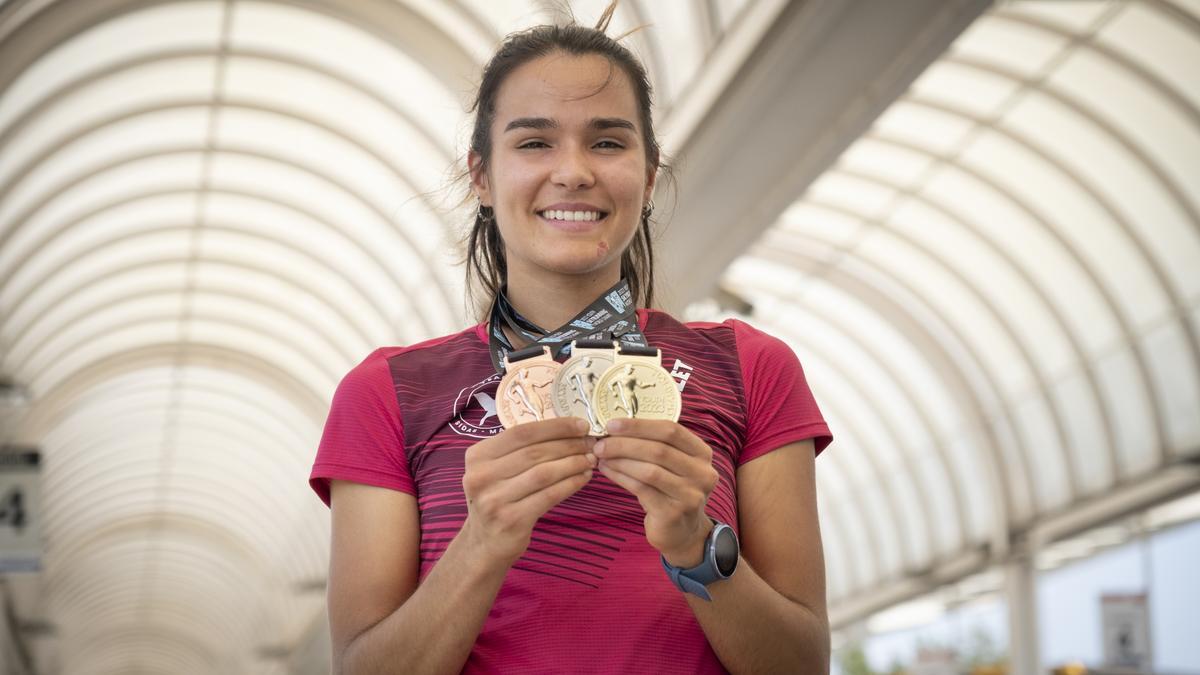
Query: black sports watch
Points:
[721, 554]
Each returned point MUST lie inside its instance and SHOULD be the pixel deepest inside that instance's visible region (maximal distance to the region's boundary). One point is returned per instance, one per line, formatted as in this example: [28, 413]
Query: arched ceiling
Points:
[210, 210]
[996, 289]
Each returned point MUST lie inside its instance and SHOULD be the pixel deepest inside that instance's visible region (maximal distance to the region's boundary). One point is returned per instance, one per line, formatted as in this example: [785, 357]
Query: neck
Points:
[551, 304]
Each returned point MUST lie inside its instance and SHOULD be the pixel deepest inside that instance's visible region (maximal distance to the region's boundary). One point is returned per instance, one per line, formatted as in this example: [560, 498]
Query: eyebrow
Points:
[542, 123]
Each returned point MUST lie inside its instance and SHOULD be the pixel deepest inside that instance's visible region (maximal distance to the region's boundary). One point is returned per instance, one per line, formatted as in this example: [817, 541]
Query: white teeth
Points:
[571, 215]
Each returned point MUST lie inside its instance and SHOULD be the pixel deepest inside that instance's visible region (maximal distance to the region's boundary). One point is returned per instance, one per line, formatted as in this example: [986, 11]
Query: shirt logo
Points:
[681, 372]
[477, 410]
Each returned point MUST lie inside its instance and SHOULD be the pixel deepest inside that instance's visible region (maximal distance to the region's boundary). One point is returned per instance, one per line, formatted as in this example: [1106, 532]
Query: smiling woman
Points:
[565, 54]
[495, 510]
[566, 192]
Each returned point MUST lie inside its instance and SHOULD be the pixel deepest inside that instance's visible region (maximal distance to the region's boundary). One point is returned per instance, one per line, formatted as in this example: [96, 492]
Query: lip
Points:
[572, 225]
[572, 206]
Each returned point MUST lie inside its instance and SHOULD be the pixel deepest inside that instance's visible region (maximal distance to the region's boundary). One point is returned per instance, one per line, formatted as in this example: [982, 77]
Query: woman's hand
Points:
[669, 469]
[521, 473]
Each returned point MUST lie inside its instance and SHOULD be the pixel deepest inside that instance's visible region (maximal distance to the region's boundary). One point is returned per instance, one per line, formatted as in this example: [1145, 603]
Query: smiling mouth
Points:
[572, 216]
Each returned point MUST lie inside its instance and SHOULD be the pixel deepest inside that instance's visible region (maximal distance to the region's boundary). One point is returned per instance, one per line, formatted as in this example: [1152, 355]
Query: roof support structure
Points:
[811, 66]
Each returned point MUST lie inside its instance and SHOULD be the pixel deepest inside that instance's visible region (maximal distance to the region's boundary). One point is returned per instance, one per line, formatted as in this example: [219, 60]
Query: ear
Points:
[479, 178]
[651, 175]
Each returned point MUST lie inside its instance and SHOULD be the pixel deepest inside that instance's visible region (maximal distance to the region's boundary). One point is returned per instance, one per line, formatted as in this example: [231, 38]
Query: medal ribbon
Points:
[612, 315]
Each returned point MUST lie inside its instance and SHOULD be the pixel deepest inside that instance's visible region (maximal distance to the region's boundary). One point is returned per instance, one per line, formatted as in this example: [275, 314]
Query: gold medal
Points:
[525, 393]
[637, 386]
[575, 384]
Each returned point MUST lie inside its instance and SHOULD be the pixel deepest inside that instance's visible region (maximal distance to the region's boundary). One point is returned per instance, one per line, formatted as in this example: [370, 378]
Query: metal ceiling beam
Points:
[96, 76]
[55, 402]
[1020, 267]
[975, 289]
[887, 372]
[795, 105]
[1003, 487]
[402, 175]
[895, 523]
[303, 286]
[31, 28]
[1134, 496]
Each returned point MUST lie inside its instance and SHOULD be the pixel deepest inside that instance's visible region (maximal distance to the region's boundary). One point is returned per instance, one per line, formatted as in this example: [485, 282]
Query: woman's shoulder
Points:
[746, 336]
[376, 364]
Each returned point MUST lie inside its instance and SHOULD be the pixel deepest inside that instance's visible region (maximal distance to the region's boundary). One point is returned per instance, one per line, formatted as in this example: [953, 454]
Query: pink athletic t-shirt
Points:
[589, 595]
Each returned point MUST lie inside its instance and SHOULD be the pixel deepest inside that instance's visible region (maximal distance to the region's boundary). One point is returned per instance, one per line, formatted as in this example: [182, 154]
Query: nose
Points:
[573, 171]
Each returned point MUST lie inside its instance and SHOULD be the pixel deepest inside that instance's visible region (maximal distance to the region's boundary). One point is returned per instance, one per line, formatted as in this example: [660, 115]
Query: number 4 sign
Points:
[20, 529]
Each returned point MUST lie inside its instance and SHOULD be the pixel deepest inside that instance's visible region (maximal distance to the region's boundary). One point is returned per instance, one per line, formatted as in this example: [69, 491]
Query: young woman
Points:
[460, 545]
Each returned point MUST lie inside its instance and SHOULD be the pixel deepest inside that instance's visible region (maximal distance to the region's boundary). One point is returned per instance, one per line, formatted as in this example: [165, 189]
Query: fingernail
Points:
[582, 425]
[587, 474]
[593, 460]
[615, 426]
[598, 449]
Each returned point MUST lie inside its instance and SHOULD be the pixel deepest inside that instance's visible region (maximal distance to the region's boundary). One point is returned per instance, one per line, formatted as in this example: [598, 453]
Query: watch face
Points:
[727, 551]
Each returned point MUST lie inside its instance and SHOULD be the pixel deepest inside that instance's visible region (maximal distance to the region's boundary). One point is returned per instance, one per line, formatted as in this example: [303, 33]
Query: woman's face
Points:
[568, 173]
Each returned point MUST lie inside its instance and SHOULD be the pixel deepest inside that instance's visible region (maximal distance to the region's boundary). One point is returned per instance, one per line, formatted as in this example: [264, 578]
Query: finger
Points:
[523, 459]
[696, 470]
[663, 431]
[648, 496]
[668, 457]
[483, 472]
[541, 501]
[523, 435]
[539, 477]
[669, 485]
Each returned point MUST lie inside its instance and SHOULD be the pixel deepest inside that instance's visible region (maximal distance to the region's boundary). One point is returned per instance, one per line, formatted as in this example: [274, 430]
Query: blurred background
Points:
[977, 223]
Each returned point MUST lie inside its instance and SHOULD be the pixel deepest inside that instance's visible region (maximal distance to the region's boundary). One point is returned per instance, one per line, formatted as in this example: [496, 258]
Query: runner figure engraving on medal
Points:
[637, 386]
[575, 384]
[525, 392]
[625, 388]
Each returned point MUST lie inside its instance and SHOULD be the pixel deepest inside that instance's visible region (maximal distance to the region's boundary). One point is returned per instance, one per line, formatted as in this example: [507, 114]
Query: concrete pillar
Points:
[1020, 591]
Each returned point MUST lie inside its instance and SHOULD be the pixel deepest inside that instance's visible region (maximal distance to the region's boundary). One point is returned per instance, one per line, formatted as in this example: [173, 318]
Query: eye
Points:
[609, 144]
[532, 144]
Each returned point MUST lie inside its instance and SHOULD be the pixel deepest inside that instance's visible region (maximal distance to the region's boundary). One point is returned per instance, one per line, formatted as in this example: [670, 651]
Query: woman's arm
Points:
[381, 620]
[770, 616]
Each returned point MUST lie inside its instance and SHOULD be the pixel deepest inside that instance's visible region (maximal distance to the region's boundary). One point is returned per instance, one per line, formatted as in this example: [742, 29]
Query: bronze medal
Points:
[637, 386]
[575, 384]
[525, 393]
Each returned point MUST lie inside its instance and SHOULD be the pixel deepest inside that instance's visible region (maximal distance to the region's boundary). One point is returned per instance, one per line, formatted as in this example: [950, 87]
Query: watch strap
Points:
[695, 580]
[685, 584]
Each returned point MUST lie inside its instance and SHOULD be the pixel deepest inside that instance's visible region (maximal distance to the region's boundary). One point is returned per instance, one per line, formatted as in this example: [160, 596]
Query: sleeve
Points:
[363, 439]
[780, 408]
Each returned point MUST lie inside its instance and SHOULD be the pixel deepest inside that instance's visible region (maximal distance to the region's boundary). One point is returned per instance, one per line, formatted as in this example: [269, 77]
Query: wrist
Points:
[692, 553]
[719, 560]
[485, 551]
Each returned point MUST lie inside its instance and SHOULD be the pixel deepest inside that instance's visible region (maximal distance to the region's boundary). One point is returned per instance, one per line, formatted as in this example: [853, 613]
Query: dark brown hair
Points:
[486, 265]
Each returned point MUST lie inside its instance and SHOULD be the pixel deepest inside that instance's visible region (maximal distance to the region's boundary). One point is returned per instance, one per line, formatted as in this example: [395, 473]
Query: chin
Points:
[582, 262]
